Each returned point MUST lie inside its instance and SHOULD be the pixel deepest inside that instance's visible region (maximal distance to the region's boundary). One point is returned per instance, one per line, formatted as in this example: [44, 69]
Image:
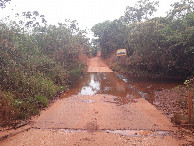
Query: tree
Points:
[98, 31]
[99, 28]
[111, 36]
[3, 3]
[181, 9]
[29, 20]
[141, 11]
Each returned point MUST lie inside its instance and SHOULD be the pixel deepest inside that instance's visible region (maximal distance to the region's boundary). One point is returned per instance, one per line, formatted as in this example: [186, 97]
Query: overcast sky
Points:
[86, 12]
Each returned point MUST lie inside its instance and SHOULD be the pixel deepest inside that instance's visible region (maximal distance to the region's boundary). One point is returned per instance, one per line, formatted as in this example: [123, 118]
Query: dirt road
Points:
[96, 64]
[96, 120]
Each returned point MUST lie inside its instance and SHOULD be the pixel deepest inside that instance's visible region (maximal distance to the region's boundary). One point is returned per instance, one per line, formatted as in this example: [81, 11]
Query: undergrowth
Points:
[36, 66]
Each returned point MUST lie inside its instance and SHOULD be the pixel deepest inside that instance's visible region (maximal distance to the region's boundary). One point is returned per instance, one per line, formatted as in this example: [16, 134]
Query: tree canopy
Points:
[141, 11]
[181, 9]
[3, 3]
[161, 45]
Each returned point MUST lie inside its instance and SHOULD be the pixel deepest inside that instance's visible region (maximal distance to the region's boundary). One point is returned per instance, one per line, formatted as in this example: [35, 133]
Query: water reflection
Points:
[125, 90]
[103, 83]
[93, 86]
[146, 86]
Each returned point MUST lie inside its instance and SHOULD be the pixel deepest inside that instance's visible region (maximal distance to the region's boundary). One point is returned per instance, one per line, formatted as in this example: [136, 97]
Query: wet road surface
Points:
[103, 83]
[101, 109]
[124, 89]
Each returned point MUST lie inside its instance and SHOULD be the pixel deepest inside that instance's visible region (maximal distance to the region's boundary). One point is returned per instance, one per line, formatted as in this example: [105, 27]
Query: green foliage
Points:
[141, 11]
[114, 36]
[181, 9]
[13, 108]
[177, 87]
[189, 83]
[7, 111]
[156, 46]
[35, 65]
[162, 46]
[98, 29]
[41, 100]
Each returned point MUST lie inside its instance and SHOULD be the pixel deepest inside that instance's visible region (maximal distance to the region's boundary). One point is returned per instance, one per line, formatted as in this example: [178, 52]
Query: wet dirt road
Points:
[96, 64]
[97, 113]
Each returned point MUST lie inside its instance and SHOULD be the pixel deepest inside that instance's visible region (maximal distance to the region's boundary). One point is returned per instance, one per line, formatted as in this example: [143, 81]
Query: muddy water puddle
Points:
[103, 83]
[125, 90]
[146, 87]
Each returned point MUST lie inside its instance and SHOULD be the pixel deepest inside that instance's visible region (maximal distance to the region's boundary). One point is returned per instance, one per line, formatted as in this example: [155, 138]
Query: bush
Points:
[36, 66]
[155, 46]
[41, 100]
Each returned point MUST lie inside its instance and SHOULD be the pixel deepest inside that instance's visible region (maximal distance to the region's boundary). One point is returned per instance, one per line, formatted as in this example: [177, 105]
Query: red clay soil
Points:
[96, 120]
[96, 64]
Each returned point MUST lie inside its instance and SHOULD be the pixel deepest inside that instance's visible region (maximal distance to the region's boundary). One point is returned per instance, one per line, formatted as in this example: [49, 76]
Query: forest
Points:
[160, 47]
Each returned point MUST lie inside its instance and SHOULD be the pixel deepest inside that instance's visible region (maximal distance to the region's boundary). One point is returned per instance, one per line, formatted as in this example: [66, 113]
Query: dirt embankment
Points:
[174, 104]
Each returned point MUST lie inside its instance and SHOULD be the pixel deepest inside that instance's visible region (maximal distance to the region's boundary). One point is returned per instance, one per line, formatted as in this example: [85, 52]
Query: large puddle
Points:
[103, 83]
[125, 89]
[147, 87]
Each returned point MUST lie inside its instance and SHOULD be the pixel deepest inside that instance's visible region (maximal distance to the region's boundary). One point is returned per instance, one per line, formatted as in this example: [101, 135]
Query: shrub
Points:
[36, 66]
[41, 100]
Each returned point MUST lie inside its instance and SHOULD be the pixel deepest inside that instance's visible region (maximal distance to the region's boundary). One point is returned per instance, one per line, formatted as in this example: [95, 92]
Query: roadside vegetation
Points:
[37, 62]
[160, 46]
[157, 47]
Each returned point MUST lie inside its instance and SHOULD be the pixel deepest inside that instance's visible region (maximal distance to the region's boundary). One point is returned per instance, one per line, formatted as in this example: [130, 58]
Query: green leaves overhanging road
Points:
[160, 45]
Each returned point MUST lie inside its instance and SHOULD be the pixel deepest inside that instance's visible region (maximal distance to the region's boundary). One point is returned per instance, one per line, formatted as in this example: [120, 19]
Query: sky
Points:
[86, 12]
